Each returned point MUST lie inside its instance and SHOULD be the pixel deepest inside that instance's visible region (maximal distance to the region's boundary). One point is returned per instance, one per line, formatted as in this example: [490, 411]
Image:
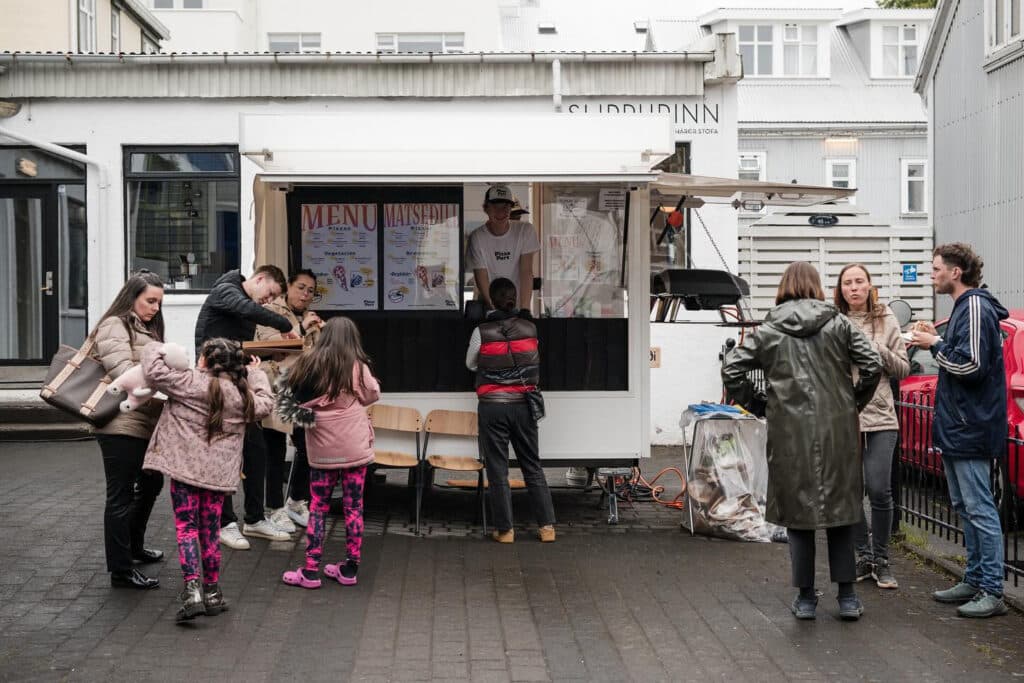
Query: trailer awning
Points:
[464, 147]
[726, 190]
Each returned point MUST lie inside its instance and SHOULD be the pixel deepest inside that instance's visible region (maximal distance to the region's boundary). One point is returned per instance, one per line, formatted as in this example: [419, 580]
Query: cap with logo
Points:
[499, 193]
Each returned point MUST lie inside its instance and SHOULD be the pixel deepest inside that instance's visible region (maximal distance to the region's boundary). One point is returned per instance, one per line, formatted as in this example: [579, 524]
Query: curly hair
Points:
[224, 359]
[961, 255]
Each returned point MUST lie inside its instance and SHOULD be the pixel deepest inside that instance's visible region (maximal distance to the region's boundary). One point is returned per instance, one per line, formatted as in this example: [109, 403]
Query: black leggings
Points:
[842, 563]
[278, 471]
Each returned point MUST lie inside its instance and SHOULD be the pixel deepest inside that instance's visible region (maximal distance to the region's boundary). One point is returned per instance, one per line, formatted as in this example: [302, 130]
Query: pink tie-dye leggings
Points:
[321, 486]
[197, 522]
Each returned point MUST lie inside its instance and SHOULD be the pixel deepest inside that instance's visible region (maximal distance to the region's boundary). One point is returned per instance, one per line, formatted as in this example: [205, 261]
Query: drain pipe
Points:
[556, 83]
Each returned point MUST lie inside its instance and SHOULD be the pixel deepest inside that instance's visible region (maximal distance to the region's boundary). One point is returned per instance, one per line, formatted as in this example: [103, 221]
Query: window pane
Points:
[810, 34]
[1000, 18]
[163, 4]
[915, 196]
[747, 34]
[791, 33]
[420, 44]
[171, 219]
[183, 162]
[840, 170]
[1015, 27]
[310, 41]
[809, 60]
[454, 39]
[749, 163]
[890, 35]
[764, 34]
[909, 60]
[890, 60]
[73, 271]
[749, 175]
[764, 59]
[910, 34]
[747, 54]
[791, 60]
[193, 4]
[841, 183]
[915, 170]
[283, 42]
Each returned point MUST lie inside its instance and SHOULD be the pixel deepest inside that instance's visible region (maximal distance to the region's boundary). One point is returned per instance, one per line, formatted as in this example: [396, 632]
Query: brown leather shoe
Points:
[504, 536]
[546, 534]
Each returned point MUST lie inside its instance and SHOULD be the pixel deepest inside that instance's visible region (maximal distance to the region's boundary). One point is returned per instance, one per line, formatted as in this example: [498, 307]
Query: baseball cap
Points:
[517, 209]
[499, 193]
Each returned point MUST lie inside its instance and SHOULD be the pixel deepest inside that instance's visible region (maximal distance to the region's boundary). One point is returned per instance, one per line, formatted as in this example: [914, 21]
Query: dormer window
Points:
[799, 50]
[757, 47]
[899, 50]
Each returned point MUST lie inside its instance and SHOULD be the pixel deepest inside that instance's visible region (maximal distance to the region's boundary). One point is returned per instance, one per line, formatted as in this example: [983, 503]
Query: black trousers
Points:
[842, 562]
[128, 507]
[500, 423]
[299, 489]
[278, 472]
[254, 467]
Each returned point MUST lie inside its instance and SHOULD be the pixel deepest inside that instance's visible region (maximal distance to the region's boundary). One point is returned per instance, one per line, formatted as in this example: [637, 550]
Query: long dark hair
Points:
[124, 303]
[224, 359]
[326, 368]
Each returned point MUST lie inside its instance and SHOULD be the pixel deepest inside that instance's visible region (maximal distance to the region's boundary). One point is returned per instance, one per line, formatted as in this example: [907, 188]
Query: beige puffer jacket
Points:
[884, 333]
[273, 368]
[118, 352]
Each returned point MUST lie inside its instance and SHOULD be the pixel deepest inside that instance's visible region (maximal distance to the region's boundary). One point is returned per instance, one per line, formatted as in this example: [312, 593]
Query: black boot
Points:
[133, 578]
[214, 600]
[191, 601]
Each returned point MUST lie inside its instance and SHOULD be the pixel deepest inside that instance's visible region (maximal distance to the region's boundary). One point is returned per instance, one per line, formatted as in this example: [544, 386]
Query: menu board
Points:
[339, 244]
[421, 256]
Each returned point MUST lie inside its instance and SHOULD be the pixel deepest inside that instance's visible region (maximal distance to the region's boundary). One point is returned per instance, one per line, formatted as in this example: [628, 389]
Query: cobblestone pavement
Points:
[639, 601]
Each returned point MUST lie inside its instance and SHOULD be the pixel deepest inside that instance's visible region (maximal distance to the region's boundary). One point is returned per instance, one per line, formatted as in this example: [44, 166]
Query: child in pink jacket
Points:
[198, 444]
[333, 383]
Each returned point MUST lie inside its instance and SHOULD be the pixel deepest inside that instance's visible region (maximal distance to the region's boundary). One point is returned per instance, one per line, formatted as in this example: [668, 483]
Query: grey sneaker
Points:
[850, 608]
[803, 609]
[865, 567]
[882, 574]
[982, 606]
[960, 593]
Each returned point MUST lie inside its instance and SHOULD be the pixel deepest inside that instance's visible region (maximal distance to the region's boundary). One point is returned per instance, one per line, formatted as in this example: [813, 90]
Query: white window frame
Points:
[756, 43]
[760, 156]
[803, 46]
[450, 43]
[901, 45]
[115, 29]
[304, 42]
[87, 12]
[999, 28]
[905, 181]
[830, 177]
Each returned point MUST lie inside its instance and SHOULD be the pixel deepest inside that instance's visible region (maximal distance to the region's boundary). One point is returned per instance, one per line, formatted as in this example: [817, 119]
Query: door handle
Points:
[48, 287]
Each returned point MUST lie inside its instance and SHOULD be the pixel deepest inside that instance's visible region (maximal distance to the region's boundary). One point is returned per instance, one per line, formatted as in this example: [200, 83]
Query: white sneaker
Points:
[298, 510]
[233, 538]
[280, 519]
[265, 529]
[576, 476]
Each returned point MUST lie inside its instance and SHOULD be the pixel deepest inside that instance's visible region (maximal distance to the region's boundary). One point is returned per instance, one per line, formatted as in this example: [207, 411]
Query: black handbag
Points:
[77, 384]
[535, 400]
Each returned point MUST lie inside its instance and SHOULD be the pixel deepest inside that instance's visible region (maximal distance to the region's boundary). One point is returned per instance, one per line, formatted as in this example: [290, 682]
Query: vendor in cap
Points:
[502, 247]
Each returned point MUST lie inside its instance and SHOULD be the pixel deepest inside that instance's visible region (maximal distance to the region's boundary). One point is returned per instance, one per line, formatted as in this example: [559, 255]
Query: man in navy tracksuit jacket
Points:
[970, 429]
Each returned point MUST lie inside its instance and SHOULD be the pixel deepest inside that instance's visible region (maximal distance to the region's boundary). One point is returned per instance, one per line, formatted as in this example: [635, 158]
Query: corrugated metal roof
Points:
[36, 75]
[848, 96]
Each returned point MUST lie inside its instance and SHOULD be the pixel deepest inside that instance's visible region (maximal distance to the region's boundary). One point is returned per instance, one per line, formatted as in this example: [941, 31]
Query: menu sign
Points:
[421, 256]
[339, 244]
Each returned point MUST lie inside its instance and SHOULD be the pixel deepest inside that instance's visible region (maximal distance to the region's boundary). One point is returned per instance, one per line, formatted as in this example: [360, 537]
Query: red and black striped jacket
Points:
[509, 362]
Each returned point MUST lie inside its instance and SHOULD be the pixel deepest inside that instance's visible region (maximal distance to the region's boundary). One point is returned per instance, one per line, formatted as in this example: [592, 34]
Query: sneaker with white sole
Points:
[298, 510]
[282, 521]
[233, 538]
[265, 529]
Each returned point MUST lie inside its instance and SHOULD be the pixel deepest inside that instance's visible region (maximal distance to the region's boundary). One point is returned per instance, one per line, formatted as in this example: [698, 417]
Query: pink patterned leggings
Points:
[321, 486]
[197, 522]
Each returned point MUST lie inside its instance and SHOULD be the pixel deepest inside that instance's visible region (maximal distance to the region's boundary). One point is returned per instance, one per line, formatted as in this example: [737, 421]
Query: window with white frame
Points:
[293, 42]
[900, 50]
[913, 186]
[799, 50]
[451, 43]
[841, 172]
[1004, 23]
[115, 30]
[86, 25]
[757, 49]
[752, 167]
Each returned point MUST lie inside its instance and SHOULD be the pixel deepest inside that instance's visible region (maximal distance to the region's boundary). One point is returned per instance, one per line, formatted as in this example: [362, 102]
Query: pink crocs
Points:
[343, 573]
[297, 578]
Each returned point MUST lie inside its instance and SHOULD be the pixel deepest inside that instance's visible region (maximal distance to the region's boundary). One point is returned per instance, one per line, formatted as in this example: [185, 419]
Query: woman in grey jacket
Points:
[807, 350]
[858, 300]
[133, 320]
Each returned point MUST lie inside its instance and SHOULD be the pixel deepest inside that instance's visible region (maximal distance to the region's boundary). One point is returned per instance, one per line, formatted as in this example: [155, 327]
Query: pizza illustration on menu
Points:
[421, 256]
[339, 244]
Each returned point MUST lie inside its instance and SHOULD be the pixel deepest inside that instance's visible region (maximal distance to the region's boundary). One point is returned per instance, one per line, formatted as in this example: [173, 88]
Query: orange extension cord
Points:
[639, 489]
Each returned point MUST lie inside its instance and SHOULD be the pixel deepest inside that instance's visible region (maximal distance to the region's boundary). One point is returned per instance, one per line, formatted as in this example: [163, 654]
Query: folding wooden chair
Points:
[405, 420]
[458, 423]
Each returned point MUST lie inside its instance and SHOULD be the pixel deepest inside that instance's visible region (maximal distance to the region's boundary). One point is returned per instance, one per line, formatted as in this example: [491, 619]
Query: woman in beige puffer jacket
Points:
[133, 320]
[858, 299]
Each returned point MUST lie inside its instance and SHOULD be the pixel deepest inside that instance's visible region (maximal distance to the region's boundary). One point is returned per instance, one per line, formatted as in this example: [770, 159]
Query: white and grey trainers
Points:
[265, 529]
[298, 510]
[233, 538]
[282, 521]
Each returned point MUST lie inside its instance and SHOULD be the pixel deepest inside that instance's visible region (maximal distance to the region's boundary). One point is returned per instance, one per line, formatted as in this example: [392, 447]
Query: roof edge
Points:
[147, 17]
[944, 12]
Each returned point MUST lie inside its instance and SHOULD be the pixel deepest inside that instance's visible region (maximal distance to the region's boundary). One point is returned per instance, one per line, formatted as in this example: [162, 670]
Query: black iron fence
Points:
[921, 492]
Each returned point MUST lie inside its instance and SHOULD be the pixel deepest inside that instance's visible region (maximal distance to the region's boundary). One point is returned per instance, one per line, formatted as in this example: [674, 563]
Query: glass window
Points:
[1003, 22]
[86, 25]
[800, 50]
[421, 42]
[756, 48]
[115, 30]
[193, 4]
[183, 214]
[913, 190]
[163, 4]
[293, 42]
[841, 173]
[752, 167]
[899, 51]
[19, 162]
[73, 270]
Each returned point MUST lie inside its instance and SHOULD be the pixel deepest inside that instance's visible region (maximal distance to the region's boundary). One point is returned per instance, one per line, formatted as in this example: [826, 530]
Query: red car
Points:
[919, 388]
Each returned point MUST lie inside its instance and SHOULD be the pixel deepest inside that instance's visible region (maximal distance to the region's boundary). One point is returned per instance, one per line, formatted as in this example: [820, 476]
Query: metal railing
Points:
[923, 498]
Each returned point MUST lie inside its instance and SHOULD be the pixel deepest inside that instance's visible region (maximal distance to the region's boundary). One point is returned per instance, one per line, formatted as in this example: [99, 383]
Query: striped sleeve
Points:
[965, 358]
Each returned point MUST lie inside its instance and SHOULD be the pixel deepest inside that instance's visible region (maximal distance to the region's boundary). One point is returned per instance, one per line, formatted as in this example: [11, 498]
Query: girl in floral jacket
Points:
[198, 444]
[327, 391]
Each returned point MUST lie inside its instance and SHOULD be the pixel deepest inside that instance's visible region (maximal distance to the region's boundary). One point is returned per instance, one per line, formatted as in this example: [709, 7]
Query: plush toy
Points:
[133, 382]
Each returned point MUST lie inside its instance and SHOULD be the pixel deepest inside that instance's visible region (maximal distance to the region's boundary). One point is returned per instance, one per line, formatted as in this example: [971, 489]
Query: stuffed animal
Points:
[133, 382]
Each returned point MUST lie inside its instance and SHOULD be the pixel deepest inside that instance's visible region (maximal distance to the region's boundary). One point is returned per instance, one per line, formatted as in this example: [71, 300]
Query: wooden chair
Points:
[458, 423]
[405, 420]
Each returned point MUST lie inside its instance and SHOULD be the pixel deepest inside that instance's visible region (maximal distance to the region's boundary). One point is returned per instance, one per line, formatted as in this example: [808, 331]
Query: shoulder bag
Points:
[77, 384]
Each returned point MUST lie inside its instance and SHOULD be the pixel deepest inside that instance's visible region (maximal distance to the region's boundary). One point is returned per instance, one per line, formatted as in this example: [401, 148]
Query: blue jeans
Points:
[970, 493]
